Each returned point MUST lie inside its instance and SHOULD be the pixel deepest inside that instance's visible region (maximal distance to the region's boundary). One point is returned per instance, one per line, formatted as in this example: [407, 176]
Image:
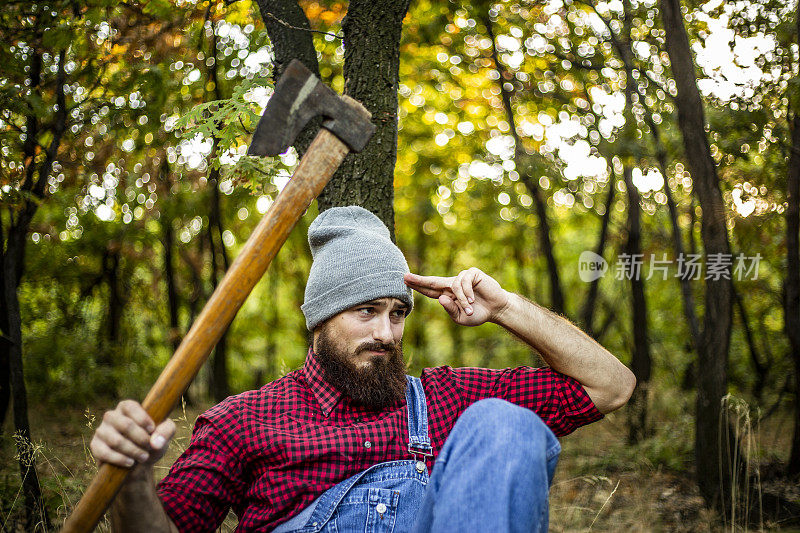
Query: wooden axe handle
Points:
[315, 169]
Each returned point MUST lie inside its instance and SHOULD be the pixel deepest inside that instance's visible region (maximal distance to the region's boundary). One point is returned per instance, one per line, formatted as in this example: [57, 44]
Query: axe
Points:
[298, 97]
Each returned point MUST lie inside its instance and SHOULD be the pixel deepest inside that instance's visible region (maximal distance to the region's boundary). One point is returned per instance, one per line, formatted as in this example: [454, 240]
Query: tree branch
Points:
[59, 127]
[31, 124]
[618, 46]
[287, 25]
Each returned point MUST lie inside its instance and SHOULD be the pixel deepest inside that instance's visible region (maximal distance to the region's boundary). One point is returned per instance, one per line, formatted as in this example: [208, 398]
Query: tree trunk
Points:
[34, 505]
[641, 361]
[219, 387]
[168, 259]
[115, 298]
[761, 370]
[5, 357]
[168, 248]
[273, 323]
[590, 305]
[218, 383]
[689, 309]
[302, 257]
[689, 379]
[456, 332]
[168, 234]
[545, 242]
[519, 247]
[109, 333]
[792, 284]
[712, 369]
[197, 293]
[38, 168]
[371, 71]
[194, 300]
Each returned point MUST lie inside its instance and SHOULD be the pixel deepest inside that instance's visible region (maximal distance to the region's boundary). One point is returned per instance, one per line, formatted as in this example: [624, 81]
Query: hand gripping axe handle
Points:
[298, 97]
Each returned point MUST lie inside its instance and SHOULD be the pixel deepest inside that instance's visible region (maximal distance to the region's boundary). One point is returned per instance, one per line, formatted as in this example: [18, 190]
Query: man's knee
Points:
[508, 425]
[495, 414]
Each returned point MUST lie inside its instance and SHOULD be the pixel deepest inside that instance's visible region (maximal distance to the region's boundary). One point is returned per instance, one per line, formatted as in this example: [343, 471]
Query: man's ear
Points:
[312, 339]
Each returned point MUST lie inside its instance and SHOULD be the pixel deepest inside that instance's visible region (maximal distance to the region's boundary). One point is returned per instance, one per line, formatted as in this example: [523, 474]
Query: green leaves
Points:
[36, 104]
[230, 122]
[16, 198]
[793, 92]
[162, 9]
[58, 37]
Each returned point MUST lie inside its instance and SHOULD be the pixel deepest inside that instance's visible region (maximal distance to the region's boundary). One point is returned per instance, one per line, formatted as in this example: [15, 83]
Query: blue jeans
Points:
[493, 473]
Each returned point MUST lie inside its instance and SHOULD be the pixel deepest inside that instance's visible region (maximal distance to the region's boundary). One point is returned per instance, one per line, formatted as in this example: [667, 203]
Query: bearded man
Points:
[349, 442]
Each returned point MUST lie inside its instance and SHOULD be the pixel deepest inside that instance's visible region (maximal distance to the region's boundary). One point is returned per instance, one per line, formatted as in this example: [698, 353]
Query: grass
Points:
[601, 484]
[604, 485]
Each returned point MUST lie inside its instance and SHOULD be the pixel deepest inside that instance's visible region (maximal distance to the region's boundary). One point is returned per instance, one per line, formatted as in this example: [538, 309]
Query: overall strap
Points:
[418, 440]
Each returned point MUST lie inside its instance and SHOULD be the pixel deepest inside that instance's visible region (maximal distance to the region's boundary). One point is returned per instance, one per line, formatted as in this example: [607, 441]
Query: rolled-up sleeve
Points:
[559, 400]
[206, 480]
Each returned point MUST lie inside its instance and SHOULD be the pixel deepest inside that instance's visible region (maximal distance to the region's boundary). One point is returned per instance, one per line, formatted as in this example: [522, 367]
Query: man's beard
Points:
[378, 385]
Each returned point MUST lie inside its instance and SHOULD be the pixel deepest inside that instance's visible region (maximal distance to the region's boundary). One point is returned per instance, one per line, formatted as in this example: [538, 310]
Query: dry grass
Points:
[596, 490]
[602, 484]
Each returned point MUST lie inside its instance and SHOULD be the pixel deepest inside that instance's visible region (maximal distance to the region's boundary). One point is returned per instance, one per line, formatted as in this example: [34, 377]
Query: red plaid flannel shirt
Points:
[270, 452]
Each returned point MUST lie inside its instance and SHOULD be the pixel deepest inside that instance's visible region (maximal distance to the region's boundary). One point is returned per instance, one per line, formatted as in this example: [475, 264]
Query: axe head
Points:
[299, 96]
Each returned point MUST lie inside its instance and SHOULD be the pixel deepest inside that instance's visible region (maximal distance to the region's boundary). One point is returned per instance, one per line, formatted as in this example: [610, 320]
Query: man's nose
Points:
[382, 332]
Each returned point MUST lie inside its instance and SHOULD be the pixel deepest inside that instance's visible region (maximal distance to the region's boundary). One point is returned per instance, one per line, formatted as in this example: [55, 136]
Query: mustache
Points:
[377, 346]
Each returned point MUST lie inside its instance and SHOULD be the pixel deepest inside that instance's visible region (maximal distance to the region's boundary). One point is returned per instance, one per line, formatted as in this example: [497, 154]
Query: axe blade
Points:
[299, 96]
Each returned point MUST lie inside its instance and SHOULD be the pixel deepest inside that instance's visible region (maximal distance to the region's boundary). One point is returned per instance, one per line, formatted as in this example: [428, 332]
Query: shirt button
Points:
[381, 508]
[367, 444]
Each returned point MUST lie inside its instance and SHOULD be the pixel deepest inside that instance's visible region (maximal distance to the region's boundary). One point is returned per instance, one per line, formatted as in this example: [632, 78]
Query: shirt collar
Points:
[327, 395]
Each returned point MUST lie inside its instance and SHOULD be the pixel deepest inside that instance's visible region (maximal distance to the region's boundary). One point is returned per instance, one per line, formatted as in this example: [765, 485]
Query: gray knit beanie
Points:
[355, 261]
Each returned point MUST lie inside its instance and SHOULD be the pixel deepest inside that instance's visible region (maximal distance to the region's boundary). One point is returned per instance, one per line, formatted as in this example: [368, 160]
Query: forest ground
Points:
[602, 484]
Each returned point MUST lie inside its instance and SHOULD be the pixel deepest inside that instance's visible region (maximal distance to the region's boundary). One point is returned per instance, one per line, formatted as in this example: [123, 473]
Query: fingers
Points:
[430, 293]
[462, 289]
[469, 286]
[105, 454]
[128, 435]
[109, 445]
[450, 306]
[136, 412]
[471, 298]
[430, 282]
[162, 435]
[430, 286]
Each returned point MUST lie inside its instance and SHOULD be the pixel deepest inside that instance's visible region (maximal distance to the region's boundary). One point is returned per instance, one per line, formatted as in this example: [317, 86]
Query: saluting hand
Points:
[470, 298]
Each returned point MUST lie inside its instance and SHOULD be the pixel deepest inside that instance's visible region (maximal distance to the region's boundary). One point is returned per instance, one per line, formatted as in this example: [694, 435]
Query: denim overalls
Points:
[382, 498]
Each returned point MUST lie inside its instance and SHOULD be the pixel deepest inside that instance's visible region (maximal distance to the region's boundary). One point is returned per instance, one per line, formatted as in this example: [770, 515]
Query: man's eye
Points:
[365, 310]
